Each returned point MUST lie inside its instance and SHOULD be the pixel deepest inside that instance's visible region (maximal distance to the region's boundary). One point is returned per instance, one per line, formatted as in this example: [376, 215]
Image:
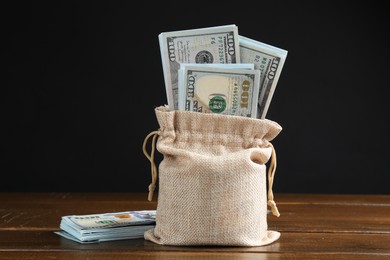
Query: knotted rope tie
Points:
[271, 175]
[150, 156]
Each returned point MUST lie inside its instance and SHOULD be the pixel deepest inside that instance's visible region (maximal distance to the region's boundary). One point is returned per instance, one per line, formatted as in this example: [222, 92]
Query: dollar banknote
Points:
[105, 220]
[217, 44]
[227, 91]
[269, 60]
[94, 228]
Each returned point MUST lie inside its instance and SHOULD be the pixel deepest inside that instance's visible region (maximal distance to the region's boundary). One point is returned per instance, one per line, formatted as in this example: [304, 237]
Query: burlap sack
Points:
[212, 186]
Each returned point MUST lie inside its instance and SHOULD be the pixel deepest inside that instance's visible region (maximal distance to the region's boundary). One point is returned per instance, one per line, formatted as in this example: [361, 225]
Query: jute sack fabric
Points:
[212, 187]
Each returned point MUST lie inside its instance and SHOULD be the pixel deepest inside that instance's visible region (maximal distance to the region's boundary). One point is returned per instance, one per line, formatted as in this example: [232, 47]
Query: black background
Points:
[81, 81]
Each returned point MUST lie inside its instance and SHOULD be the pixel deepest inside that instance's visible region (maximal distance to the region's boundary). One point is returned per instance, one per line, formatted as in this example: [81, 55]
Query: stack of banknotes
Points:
[216, 70]
[94, 228]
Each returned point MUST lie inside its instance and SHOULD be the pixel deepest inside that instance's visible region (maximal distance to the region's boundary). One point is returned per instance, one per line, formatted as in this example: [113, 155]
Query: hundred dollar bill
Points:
[217, 44]
[106, 220]
[269, 60]
[219, 90]
[95, 228]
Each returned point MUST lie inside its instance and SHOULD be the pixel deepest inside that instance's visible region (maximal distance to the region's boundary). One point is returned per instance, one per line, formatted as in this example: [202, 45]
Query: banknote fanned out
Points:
[227, 91]
[94, 228]
[217, 44]
[269, 60]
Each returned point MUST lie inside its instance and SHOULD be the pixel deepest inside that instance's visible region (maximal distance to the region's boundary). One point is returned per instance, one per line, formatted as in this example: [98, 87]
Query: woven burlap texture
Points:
[212, 179]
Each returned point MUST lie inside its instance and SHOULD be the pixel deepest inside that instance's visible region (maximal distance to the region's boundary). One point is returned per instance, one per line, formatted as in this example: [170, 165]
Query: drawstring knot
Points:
[271, 175]
[151, 189]
[274, 209]
[150, 156]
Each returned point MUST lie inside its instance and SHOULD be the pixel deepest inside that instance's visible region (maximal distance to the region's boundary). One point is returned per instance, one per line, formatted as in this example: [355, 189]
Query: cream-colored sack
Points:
[212, 186]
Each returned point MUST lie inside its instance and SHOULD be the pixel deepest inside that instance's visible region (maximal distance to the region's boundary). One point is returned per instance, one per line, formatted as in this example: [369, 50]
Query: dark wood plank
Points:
[335, 243]
[104, 255]
[313, 226]
[43, 211]
[40, 211]
[297, 218]
[331, 218]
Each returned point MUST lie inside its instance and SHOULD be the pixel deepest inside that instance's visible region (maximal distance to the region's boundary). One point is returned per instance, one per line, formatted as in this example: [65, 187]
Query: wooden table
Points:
[312, 226]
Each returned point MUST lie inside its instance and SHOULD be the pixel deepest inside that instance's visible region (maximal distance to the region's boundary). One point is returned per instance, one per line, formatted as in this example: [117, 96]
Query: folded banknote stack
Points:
[216, 70]
[96, 228]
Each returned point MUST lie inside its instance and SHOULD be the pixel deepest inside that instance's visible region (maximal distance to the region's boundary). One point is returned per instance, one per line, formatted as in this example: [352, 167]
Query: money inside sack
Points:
[216, 70]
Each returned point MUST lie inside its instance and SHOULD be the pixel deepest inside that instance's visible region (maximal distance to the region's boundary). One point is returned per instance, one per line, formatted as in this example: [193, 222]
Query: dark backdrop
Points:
[81, 82]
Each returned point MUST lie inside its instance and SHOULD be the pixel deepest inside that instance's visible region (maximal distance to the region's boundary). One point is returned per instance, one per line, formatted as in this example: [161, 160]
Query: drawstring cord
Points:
[271, 175]
[152, 185]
